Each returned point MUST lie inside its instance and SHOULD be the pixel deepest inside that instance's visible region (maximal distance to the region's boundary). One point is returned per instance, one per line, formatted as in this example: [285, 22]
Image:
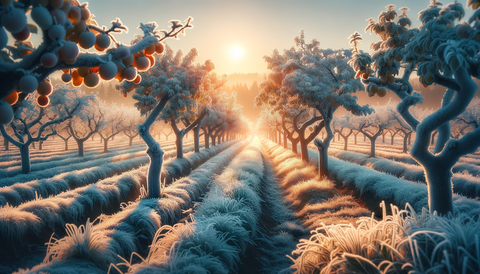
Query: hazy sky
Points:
[258, 27]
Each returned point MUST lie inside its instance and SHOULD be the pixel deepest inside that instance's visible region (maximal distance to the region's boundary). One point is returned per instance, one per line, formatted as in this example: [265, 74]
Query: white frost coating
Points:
[224, 224]
[142, 219]
[386, 187]
[62, 178]
[31, 121]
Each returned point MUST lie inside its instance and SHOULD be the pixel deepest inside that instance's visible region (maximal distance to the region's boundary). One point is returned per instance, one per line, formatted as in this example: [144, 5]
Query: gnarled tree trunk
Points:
[25, 156]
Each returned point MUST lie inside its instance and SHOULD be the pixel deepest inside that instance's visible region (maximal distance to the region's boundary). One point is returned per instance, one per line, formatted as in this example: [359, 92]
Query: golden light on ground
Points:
[236, 52]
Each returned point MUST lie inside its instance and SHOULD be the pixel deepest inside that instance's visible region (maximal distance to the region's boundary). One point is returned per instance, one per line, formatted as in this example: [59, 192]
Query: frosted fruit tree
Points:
[66, 26]
[33, 123]
[443, 51]
[316, 79]
[169, 91]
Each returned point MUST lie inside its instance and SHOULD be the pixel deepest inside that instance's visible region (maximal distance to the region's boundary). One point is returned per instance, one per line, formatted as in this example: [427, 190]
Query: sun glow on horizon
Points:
[236, 52]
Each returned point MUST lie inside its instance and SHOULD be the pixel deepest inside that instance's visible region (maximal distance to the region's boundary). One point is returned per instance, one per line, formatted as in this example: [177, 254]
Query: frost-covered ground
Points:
[244, 206]
[69, 189]
[399, 240]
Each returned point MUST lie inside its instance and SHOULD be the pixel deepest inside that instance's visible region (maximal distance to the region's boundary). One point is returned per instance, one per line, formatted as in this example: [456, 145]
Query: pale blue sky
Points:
[258, 26]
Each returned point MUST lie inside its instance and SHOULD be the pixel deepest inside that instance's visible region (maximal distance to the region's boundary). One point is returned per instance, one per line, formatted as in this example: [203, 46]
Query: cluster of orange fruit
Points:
[44, 89]
[50, 16]
[123, 69]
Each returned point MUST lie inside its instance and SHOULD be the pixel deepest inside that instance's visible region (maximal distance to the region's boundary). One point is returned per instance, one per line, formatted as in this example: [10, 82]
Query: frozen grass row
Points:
[50, 169]
[33, 222]
[373, 187]
[465, 177]
[401, 157]
[407, 241]
[91, 248]
[223, 227]
[60, 157]
[403, 242]
[84, 174]
[54, 148]
[64, 160]
[314, 201]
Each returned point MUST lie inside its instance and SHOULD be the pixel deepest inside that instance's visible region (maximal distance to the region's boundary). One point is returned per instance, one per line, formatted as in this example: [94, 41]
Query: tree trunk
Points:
[130, 142]
[81, 152]
[6, 144]
[179, 144]
[207, 139]
[66, 144]
[25, 155]
[405, 147]
[285, 145]
[323, 160]
[383, 138]
[393, 137]
[219, 139]
[40, 145]
[372, 146]
[345, 145]
[338, 137]
[409, 139]
[355, 139]
[105, 145]
[33, 145]
[213, 140]
[323, 163]
[295, 146]
[304, 150]
[364, 137]
[439, 184]
[93, 137]
[155, 153]
[196, 137]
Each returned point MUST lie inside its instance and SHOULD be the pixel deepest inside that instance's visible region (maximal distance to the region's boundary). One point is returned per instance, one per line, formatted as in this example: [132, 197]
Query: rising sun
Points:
[236, 52]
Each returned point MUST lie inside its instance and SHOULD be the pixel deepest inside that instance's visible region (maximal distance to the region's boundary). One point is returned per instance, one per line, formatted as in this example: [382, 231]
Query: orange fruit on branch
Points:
[12, 98]
[66, 77]
[137, 79]
[143, 63]
[44, 88]
[91, 80]
[150, 49]
[381, 92]
[43, 100]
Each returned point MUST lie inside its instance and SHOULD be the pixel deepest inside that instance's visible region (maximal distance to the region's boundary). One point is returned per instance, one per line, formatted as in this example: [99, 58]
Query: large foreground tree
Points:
[65, 27]
[443, 51]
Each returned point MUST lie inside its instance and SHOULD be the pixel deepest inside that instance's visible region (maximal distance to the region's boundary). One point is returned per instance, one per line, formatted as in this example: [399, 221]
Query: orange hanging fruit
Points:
[43, 101]
[150, 49]
[44, 88]
[12, 98]
[137, 79]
